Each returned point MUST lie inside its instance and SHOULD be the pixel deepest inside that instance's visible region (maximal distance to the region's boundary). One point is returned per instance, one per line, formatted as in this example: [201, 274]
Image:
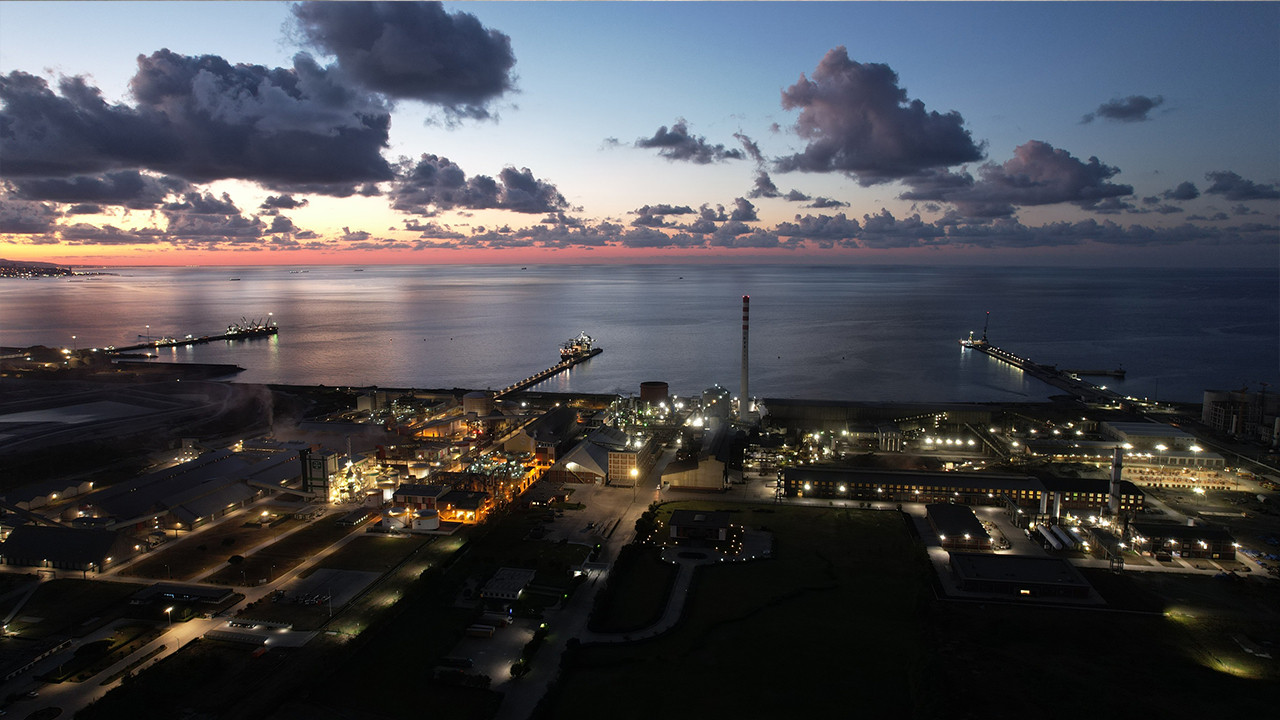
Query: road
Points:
[70, 697]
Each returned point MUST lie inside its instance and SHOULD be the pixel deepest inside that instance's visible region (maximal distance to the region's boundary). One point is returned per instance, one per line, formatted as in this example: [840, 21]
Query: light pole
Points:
[169, 613]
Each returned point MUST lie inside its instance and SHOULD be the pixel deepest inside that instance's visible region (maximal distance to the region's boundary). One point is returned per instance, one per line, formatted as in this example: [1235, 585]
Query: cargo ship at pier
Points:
[577, 347]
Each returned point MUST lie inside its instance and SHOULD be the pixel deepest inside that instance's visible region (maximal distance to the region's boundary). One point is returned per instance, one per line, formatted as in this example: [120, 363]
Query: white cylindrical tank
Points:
[426, 520]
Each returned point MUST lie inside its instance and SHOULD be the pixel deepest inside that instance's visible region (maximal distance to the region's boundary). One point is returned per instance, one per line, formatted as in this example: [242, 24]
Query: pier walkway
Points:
[539, 377]
[235, 332]
[1050, 374]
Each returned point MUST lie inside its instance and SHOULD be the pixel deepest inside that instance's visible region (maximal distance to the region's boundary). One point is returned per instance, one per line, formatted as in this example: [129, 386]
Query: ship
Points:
[577, 347]
[969, 342]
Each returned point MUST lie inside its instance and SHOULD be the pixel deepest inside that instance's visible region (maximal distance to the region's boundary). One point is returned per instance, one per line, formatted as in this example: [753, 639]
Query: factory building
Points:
[712, 526]
[957, 528]
[1254, 415]
[1036, 496]
[190, 494]
[1185, 541]
[707, 469]
[606, 455]
[1018, 575]
[66, 548]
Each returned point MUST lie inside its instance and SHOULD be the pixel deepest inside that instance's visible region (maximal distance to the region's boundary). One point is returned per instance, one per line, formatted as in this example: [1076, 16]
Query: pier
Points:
[1050, 374]
[554, 369]
[246, 331]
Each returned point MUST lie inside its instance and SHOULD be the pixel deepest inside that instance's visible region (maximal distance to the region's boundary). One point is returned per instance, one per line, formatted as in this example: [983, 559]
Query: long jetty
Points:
[554, 369]
[235, 332]
[1050, 374]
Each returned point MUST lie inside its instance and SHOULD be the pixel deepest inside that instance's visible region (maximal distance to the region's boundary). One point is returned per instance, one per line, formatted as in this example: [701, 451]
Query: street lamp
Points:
[169, 612]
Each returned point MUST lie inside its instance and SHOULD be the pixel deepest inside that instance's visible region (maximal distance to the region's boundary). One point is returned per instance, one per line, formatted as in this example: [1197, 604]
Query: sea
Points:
[865, 333]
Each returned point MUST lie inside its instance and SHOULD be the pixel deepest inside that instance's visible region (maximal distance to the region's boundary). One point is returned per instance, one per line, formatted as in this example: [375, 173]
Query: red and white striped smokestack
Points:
[744, 398]
[1117, 471]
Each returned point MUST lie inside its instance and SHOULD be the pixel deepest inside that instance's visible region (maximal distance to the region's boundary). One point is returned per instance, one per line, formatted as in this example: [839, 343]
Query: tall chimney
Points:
[744, 401]
[1113, 498]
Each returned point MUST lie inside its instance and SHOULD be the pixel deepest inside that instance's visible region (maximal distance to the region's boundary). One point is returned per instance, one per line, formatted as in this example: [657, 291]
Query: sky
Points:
[239, 133]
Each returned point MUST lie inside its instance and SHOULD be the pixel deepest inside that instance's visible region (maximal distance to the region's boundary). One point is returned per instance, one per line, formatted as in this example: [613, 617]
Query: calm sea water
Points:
[855, 333]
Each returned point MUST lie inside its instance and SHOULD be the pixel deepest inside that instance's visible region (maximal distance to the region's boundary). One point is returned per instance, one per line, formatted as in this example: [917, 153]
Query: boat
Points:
[969, 342]
[577, 347]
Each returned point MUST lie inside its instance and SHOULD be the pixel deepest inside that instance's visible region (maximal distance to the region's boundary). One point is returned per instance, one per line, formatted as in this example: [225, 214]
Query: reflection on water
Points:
[869, 333]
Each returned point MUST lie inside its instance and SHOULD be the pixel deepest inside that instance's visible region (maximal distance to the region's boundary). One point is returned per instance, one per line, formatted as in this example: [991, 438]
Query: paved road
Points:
[71, 697]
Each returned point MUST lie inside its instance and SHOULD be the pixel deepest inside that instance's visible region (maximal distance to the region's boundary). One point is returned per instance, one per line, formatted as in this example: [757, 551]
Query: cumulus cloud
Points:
[436, 183]
[820, 227]
[764, 187]
[128, 188]
[678, 144]
[1184, 191]
[858, 121]
[412, 50]
[743, 211]
[655, 215]
[1134, 108]
[282, 202]
[820, 203]
[1037, 174]
[1233, 187]
[24, 217]
[200, 119]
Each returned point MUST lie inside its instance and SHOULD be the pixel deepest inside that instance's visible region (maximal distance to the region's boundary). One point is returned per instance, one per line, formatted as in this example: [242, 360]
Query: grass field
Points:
[283, 554]
[637, 593]
[62, 605]
[841, 623]
[190, 555]
[836, 608]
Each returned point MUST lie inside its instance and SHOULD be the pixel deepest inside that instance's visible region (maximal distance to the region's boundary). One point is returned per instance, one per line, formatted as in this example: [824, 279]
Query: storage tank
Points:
[653, 392]
[426, 520]
[478, 402]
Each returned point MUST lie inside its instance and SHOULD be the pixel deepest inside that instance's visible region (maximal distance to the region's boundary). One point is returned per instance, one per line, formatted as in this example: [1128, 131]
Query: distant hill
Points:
[27, 263]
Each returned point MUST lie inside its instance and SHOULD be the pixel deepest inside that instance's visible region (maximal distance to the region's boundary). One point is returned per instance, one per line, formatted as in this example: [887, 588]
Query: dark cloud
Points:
[24, 217]
[743, 211]
[796, 196]
[1038, 174]
[820, 203]
[1111, 206]
[413, 50]
[201, 119]
[936, 185]
[764, 187]
[663, 209]
[560, 219]
[433, 230]
[678, 144]
[281, 224]
[522, 192]
[1184, 191]
[820, 227]
[354, 236]
[1134, 108]
[886, 231]
[1233, 187]
[859, 122]
[128, 188]
[736, 235]
[85, 234]
[436, 183]
[194, 203]
[84, 209]
[751, 148]
[651, 220]
[282, 202]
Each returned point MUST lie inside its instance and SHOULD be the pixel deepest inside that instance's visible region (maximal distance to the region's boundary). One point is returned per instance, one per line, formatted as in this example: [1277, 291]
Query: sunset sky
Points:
[230, 133]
